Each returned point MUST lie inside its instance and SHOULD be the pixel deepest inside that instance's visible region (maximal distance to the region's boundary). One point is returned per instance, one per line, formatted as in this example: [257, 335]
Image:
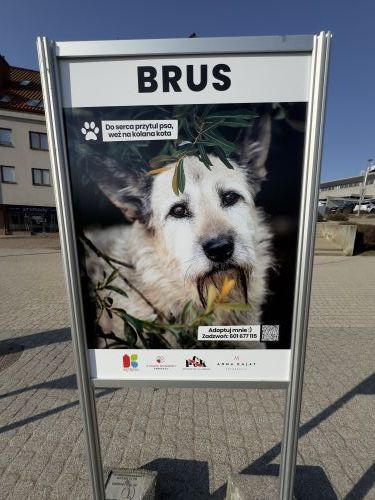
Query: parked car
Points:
[333, 210]
[367, 206]
[345, 208]
[348, 207]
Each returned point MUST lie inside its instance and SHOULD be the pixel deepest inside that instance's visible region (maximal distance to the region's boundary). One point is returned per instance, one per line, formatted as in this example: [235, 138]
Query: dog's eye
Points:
[179, 211]
[230, 198]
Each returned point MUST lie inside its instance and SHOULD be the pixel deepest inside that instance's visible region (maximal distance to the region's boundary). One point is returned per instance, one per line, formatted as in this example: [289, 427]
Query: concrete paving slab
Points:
[196, 438]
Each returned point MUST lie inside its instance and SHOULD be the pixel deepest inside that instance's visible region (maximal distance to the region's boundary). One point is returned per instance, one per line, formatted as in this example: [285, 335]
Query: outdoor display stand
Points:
[186, 175]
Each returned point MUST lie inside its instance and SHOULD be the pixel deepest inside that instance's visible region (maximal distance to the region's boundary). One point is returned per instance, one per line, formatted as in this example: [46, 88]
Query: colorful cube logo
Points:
[130, 361]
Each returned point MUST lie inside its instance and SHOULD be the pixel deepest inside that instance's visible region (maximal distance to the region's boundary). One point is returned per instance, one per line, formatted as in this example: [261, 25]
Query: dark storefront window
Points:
[32, 219]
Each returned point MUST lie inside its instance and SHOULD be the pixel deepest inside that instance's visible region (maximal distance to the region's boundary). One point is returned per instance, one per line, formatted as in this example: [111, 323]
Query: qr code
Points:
[270, 333]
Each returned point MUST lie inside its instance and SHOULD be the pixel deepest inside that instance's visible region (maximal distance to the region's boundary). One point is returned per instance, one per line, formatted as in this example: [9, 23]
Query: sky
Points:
[349, 132]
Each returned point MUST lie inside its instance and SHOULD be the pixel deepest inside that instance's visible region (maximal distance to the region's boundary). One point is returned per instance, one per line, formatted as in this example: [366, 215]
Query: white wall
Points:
[23, 158]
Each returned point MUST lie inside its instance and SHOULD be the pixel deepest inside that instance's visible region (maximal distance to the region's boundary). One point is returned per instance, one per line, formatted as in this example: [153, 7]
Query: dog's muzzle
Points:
[219, 249]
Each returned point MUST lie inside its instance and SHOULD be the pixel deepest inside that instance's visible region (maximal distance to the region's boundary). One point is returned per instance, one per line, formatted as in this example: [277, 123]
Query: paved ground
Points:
[194, 438]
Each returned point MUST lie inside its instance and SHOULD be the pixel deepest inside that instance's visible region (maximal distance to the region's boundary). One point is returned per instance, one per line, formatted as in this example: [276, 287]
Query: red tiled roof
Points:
[17, 97]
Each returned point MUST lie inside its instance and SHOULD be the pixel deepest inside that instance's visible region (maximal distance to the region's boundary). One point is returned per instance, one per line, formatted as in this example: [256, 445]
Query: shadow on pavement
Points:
[68, 382]
[37, 339]
[187, 479]
[260, 466]
[181, 479]
[363, 486]
[48, 413]
[311, 482]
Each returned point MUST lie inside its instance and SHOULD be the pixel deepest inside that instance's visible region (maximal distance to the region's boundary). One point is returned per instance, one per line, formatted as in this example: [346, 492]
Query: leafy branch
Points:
[200, 135]
[152, 332]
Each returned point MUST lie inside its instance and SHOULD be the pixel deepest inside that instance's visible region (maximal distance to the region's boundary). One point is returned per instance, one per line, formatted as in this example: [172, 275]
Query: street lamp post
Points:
[370, 164]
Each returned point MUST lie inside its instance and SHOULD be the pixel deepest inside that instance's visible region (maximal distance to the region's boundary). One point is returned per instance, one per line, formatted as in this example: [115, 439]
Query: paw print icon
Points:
[90, 131]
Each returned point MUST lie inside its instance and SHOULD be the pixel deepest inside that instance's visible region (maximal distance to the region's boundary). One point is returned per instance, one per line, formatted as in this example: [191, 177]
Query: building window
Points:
[8, 174]
[41, 177]
[6, 137]
[38, 140]
[5, 98]
[33, 103]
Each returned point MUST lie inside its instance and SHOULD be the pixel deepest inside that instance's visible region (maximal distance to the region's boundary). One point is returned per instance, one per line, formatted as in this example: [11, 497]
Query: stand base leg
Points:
[131, 483]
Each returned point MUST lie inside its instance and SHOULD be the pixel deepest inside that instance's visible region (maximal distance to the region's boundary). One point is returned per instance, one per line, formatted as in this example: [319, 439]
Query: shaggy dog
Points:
[176, 245]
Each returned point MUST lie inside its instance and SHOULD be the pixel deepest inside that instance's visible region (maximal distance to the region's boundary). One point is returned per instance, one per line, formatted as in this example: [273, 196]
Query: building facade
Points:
[26, 194]
[349, 187]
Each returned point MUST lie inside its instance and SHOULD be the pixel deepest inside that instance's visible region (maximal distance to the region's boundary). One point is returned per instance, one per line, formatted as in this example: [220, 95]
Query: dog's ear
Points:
[254, 144]
[127, 188]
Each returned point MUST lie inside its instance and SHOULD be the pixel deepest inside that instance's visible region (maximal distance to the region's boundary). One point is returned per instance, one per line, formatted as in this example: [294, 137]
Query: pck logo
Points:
[130, 361]
[195, 362]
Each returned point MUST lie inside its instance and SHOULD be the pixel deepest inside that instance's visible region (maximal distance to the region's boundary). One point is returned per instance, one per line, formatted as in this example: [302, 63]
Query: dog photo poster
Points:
[186, 194]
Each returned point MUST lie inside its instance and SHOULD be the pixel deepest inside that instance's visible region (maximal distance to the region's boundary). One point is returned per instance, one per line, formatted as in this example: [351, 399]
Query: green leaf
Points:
[119, 312]
[130, 335]
[181, 176]
[239, 124]
[184, 124]
[203, 156]
[111, 277]
[108, 301]
[219, 140]
[175, 182]
[184, 150]
[135, 323]
[220, 153]
[186, 311]
[212, 125]
[131, 325]
[116, 289]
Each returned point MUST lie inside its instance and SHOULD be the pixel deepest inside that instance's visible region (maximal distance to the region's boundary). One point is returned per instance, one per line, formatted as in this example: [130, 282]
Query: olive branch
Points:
[199, 135]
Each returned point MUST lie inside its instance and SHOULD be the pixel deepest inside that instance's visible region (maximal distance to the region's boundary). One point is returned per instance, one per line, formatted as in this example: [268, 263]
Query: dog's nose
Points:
[219, 249]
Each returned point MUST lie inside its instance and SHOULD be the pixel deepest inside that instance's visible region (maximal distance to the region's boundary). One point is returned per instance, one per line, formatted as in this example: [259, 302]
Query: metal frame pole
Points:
[55, 129]
[308, 215]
